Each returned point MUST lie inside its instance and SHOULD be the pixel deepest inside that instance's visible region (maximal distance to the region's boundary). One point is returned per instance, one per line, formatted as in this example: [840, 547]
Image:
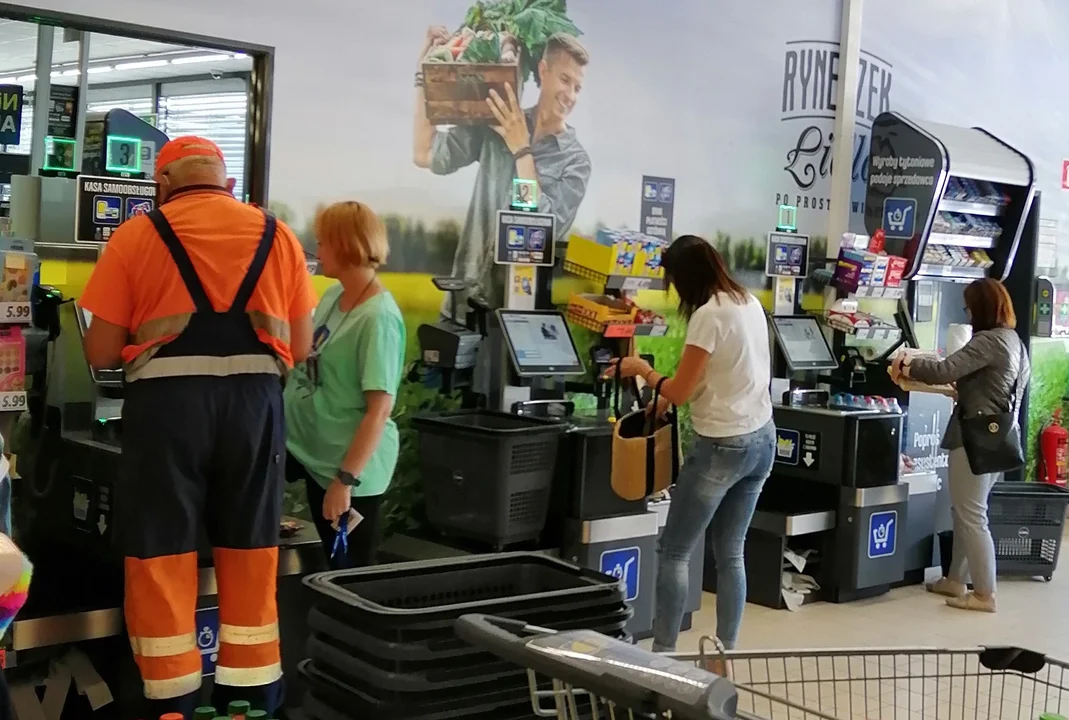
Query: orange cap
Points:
[188, 146]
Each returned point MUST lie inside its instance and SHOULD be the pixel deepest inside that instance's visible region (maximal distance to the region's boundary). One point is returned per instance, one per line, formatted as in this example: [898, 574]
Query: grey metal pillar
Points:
[42, 95]
[846, 102]
[83, 97]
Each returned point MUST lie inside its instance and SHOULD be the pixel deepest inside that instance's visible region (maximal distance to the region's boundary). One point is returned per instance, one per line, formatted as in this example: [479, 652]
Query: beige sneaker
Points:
[947, 588]
[971, 602]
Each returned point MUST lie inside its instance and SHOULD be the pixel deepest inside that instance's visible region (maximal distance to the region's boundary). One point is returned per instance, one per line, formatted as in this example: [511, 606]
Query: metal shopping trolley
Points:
[580, 674]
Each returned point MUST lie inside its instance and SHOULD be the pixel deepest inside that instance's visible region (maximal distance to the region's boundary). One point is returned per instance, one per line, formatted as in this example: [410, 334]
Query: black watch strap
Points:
[347, 478]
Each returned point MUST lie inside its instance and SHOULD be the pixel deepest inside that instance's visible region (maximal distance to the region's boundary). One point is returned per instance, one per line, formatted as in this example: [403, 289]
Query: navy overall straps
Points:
[189, 274]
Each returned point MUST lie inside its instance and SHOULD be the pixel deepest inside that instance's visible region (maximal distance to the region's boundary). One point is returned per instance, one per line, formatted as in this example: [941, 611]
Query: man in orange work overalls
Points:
[204, 302]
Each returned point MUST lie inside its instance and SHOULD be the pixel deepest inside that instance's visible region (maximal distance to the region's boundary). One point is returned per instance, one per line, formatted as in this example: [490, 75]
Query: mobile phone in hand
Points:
[355, 519]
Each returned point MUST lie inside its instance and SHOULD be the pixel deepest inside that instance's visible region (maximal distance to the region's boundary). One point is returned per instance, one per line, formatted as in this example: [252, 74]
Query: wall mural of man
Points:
[533, 144]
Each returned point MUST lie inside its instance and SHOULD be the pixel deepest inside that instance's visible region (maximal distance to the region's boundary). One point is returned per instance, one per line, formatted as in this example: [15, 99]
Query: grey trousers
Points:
[974, 550]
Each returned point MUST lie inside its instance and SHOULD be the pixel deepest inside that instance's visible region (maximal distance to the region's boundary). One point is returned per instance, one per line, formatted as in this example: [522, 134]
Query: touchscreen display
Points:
[803, 343]
[540, 341]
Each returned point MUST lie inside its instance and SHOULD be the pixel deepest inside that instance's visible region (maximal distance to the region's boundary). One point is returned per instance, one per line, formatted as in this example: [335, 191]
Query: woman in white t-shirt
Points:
[724, 374]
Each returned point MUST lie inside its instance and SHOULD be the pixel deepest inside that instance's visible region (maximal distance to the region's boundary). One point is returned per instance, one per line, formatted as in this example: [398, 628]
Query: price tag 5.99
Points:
[12, 400]
[14, 312]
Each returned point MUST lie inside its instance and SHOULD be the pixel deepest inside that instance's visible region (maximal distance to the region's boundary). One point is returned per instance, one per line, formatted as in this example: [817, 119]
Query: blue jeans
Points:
[719, 483]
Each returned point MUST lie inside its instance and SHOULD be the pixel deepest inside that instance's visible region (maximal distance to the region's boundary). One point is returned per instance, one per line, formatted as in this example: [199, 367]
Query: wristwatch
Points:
[347, 478]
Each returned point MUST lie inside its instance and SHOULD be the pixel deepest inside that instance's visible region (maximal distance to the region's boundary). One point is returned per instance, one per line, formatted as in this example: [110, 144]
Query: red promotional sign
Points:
[1065, 174]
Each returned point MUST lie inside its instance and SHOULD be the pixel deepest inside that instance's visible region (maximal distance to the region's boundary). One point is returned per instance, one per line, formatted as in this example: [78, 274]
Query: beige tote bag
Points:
[645, 449]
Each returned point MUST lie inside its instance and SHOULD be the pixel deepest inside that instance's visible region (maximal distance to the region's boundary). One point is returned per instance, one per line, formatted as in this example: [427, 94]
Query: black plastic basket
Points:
[328, 698]
[409, 686]
[448, 649]
[487, 475]
[1027, 521]
[409, 602]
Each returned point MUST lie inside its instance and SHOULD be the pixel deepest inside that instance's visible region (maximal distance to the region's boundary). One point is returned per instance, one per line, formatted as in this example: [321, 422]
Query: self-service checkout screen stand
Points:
[525, 244]
[786, 263]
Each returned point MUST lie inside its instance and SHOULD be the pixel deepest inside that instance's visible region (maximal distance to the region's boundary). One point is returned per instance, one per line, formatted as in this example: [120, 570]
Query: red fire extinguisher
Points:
[1054, 452]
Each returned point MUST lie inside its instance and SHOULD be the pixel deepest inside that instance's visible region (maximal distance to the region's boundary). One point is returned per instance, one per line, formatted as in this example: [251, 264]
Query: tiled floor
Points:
[1032, 614]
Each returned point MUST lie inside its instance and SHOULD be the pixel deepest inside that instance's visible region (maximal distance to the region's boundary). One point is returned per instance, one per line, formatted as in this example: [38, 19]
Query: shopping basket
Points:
[915, 683]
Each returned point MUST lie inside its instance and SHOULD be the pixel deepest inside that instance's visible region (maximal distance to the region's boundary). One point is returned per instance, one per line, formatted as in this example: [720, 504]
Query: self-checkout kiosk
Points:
[527, 363]
[833, 496]
[944, 206]
[957, 204]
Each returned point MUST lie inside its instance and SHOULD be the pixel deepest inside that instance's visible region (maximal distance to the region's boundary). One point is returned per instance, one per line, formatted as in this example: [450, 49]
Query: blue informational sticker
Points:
[787, 446]
[899, 218]
[107, 209]
[208, 639]
[883, 533]
[622, 564]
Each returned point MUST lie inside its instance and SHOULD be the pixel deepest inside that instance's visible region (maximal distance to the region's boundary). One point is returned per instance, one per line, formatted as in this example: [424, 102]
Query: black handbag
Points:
[992, 443]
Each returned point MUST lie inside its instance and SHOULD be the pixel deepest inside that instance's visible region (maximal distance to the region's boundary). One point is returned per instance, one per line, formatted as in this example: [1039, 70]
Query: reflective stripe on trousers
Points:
[160, 617]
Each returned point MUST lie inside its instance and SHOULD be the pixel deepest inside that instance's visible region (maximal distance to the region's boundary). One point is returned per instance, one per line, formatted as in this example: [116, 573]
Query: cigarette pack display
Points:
[853, 268]
[981, 259]
[973, 193]
[12, 359]
[980, 192]
[955, 190]
[992, 195]
[896, 268]
[879, 270]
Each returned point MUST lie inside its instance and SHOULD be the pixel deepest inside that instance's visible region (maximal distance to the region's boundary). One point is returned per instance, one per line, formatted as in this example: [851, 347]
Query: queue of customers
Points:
[205, 334]
[723, 374]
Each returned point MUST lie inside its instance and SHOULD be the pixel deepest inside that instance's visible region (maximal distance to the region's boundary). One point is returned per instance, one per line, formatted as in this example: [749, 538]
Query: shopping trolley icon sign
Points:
[208, 639]
[622, 564]
[899, 218]
[883, 533]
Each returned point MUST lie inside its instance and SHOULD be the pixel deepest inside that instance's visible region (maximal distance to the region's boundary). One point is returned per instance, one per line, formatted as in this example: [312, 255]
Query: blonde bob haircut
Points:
[354, 232]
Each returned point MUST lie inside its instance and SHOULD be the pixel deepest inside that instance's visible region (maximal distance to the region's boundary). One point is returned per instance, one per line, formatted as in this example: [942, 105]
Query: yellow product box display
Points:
[596, 311]
[615, 252]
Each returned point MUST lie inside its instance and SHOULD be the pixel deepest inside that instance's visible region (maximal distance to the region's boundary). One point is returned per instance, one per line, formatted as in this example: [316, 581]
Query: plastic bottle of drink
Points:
[238, 709]
[256, 715]
[171, 716]
[205, 713]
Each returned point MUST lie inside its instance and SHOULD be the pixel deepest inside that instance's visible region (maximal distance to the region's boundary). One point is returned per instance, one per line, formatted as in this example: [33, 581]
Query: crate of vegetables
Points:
[500, 42]
[456, 85]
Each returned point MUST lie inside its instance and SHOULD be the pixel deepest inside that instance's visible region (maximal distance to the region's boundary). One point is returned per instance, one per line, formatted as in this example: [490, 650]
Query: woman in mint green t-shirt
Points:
[340, 438]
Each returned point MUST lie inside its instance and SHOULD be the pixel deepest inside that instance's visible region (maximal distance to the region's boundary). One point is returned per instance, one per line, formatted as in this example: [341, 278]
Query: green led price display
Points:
[123, 154]
[59, 154]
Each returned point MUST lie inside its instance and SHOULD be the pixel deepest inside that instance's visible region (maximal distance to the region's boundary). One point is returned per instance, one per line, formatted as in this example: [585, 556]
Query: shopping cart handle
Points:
[502, 636]
[618, 672]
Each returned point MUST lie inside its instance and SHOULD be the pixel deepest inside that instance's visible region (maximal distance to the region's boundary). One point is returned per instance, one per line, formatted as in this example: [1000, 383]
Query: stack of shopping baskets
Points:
[383, 642]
